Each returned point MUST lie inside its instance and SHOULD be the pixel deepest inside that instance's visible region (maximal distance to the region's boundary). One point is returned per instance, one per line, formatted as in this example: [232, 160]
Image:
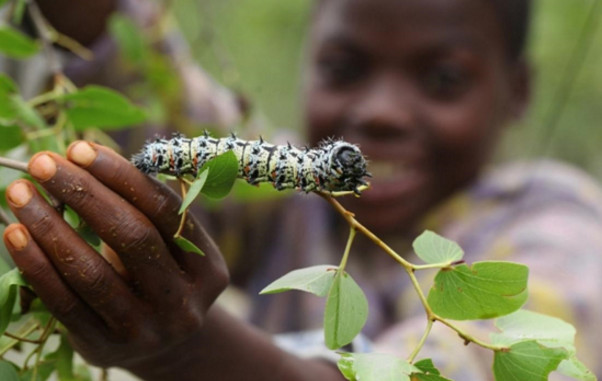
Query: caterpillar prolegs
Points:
[335, 165]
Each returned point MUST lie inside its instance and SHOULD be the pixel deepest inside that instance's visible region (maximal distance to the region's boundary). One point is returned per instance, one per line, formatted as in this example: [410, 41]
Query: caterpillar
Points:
[334, 165]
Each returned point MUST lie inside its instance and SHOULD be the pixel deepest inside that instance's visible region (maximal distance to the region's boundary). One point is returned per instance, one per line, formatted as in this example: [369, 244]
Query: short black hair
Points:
[514, 17]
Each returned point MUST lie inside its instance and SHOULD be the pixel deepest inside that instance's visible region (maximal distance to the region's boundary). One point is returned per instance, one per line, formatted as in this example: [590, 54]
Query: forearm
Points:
[228, 349]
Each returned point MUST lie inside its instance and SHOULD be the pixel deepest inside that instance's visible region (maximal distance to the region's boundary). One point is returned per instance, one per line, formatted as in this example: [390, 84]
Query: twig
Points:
[4, 218]
[45, 35]
[13, 164]
[20, 338]
[410, 269]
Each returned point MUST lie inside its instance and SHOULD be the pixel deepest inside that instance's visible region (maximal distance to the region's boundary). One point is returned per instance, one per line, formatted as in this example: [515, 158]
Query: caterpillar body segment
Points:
[333, 166]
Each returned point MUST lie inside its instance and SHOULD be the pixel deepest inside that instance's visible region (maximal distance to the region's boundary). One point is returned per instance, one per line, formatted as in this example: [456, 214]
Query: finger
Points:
[81, 267]
[157, 201]
[60, 300]
[119, 224]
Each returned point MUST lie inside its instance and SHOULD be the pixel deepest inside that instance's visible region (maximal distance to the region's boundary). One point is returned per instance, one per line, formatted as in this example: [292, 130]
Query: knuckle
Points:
[65, 306]
[137, 236]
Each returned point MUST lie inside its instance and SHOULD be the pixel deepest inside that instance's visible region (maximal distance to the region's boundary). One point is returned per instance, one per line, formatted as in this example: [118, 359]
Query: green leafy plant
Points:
[528, 346]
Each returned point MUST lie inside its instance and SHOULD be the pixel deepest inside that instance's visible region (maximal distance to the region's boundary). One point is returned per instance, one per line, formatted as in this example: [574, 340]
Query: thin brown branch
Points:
[13, 164]
[44, 31]
[4, 218]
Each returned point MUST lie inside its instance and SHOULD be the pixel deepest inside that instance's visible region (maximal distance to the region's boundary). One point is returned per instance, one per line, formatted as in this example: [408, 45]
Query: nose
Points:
[384, 109]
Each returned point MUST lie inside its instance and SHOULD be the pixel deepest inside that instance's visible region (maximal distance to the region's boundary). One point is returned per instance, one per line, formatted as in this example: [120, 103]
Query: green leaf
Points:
[346, 311]
[8, 371]
[428, 372]
[485, 290]
[316, 280]
[129, 38]
[188, 246]
[224, 170]
[194, 190]
[575, 369]
[432, 248]
[7, 85]
[26, 113]
[63, 360]
[42, 373]
[12, 136]
[13, 108]
[15, 44]
[95, 106]
[528, 361]
[546, 330]
[374, 367]
[9, 283]
[528, 325]
[426, 366]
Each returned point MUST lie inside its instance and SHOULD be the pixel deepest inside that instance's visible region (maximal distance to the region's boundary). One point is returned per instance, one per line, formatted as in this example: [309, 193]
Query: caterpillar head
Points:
[349, 164]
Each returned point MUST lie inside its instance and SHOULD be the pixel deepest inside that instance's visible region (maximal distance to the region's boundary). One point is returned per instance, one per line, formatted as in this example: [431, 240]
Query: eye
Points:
[340, 69]
[446, 81]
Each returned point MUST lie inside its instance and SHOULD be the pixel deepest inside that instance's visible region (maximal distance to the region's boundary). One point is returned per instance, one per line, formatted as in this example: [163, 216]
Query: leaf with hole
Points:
[484, 290]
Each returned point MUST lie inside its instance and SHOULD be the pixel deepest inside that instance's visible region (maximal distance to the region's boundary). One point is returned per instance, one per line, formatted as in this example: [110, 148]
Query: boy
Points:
[425, 86]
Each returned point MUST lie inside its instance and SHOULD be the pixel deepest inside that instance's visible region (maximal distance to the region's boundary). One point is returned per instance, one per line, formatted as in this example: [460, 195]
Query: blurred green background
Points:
[256, 47]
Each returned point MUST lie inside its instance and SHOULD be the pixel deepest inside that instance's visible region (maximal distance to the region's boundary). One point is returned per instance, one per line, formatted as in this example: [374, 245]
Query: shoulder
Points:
[541, 204]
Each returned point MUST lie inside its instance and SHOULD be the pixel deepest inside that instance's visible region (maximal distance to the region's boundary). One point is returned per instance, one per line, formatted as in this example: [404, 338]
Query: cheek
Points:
[469, 130]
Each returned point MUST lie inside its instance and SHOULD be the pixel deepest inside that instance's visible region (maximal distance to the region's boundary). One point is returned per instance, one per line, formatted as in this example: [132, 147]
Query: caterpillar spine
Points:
[335, 165]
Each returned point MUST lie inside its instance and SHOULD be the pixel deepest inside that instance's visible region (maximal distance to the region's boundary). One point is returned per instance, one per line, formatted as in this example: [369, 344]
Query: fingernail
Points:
[81, 153]
[16, 237]
[42, 167]
[19, 193]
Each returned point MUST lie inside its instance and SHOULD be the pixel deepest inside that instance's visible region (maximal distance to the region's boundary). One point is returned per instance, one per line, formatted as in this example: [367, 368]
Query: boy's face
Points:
[423, 86]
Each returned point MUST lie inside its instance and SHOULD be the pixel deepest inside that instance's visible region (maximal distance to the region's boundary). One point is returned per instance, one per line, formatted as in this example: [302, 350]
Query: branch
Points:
[4, 218]
[13, 164]
[44, 31]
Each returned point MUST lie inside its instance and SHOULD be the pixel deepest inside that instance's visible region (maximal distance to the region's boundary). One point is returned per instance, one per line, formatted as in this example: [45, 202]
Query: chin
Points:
[383, 218]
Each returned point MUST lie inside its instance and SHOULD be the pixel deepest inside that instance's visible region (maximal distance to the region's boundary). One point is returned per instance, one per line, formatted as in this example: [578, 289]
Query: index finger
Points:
[157, 201]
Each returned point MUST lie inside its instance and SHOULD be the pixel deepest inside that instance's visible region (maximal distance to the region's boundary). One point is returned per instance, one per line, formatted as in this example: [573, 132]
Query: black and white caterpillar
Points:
[335, 165]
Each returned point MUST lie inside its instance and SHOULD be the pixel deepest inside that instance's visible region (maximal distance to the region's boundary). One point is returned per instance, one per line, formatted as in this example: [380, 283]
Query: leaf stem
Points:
[410, 269]
[343, 263]
[467, 337]
[432, 266]
[21, 338]
[183, 218]
[13, 164]
[349, 217]
[25, 330]
[44, 32]
[427, 331]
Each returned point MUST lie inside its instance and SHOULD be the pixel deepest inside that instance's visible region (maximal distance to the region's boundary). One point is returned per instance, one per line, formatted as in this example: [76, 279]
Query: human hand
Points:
[132, 322]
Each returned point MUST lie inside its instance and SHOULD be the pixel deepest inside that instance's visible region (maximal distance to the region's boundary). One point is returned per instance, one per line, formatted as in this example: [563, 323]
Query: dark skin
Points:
[146, 323]
[424, 87]
[82, 20]
[428, 108]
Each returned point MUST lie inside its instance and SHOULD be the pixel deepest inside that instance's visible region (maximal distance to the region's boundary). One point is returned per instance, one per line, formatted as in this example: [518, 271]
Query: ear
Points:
[520, 88]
